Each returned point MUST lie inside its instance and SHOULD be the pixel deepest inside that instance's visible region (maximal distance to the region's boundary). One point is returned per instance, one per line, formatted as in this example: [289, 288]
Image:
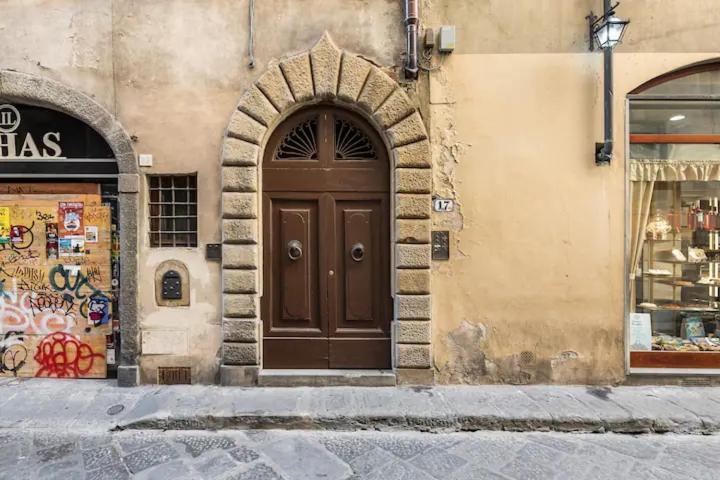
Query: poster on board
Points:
[70, 219]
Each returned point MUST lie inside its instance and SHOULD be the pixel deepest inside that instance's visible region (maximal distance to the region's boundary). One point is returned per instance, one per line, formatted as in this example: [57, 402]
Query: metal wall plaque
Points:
[441, 245]
[213, 251]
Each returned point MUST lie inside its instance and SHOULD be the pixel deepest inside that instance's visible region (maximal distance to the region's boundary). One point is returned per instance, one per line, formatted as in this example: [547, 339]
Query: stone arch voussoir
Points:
[35, 90]
[325, 73]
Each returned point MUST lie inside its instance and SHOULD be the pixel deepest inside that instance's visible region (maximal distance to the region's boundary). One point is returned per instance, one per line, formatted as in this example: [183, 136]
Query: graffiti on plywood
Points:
[64, 355]
[55, 311]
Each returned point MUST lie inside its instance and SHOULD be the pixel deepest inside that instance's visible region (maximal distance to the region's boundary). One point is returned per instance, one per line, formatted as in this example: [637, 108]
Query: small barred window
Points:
[173, 210]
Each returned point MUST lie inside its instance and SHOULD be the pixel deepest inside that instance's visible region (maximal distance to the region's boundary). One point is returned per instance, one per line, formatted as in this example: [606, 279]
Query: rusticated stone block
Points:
[239, 205]
[256, 104]
[240, 281]
[245, 127]
[239, 179]
[240, 231]
[325, 62]
[239, 152]
[413, 180]
[376, 90]
[240, 353]
[239, 375]
[412, 206]
[241, 330]
[413, 281]
[240, 305]
[413, 356]
[353, 73]
[412, 231]
[413, 155]
[298, 76]
[395, 108]
[128, 183]
[413, 256]
[413, 307]
[414, 331]
[409, 130]
[240, 256]
[273, 85]
[415, 376]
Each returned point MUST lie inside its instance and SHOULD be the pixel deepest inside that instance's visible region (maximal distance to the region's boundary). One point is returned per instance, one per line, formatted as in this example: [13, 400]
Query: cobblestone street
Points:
[274, 454]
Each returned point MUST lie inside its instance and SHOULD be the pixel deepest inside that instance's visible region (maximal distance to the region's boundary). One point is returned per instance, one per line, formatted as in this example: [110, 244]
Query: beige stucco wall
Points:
[538, 257]
[537, 241]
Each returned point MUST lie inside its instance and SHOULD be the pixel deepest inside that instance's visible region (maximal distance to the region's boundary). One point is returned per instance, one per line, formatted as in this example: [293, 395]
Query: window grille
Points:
[173, 210]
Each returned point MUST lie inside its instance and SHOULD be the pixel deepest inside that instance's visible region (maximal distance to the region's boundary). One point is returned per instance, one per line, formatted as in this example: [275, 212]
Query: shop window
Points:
[173, 210]
[675, 222]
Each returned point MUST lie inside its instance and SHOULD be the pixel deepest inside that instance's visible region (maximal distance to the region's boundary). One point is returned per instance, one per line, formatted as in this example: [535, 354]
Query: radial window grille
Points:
[351, 143]
[300, 143]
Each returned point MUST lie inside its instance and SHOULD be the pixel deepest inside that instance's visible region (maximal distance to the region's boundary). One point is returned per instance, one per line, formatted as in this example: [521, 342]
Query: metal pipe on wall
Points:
[604, 155]
[412, 18]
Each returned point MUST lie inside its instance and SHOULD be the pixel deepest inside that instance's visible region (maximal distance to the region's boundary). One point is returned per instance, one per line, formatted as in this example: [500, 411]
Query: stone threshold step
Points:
[326, 378]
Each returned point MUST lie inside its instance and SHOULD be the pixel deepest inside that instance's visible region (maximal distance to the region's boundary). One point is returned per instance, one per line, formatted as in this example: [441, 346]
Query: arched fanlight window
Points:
[677, 115]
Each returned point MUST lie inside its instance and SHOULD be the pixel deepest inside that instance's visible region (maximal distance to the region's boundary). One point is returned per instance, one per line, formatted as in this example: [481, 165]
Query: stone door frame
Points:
[330, 75]
[34, 90]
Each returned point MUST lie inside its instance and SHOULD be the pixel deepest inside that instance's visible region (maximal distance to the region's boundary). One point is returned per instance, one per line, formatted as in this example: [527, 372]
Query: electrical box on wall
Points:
[446, 42]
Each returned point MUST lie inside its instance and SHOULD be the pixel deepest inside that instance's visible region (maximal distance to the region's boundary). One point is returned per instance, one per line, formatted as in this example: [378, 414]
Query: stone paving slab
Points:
[100, 405]
[303, 455]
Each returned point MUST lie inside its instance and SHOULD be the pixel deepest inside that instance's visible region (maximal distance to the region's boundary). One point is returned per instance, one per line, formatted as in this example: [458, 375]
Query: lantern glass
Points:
[610, 32]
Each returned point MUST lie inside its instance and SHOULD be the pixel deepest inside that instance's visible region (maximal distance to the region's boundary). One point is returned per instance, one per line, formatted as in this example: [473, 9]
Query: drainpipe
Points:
[604, 153]
[411, 31]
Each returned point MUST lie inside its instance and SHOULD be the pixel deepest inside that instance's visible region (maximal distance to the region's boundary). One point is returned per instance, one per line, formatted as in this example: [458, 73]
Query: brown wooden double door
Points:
[326, 294]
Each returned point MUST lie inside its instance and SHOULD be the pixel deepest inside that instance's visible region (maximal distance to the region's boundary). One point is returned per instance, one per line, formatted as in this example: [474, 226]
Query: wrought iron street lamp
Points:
[605, 33]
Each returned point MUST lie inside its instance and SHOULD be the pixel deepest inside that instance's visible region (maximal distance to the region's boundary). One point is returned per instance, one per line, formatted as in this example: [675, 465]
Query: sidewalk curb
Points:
[422, 424]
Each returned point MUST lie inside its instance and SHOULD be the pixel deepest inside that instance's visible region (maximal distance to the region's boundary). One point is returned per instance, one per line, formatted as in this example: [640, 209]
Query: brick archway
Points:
[325, 74]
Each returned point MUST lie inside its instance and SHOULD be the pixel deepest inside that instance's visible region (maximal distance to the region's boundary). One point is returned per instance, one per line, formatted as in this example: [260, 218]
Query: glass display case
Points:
[677, 281]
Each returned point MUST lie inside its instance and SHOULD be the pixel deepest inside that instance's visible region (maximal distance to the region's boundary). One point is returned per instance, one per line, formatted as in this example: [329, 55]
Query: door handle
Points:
[294, 250]
[357, 252]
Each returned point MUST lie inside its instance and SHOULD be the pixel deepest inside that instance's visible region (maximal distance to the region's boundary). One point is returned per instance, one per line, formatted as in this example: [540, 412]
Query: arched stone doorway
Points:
[16, 87]
[326, 75]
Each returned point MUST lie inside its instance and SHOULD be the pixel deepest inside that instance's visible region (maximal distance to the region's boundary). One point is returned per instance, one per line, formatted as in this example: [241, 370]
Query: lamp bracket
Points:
[594, 21]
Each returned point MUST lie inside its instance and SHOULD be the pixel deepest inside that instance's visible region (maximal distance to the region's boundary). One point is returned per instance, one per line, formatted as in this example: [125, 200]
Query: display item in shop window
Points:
[71, 218]
[692, 327]
[678, 255]
[696, 255]
[659, 227]
[659, 272]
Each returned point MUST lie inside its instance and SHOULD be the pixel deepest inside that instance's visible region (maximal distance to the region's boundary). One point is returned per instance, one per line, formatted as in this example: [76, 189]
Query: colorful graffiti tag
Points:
[55, 310]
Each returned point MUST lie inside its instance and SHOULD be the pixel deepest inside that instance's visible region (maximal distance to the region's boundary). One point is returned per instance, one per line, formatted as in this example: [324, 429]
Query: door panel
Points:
[291, 288]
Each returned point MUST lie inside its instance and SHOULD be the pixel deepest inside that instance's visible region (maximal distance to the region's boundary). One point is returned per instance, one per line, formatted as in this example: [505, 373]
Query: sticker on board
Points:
[91, 234]
[4, 224]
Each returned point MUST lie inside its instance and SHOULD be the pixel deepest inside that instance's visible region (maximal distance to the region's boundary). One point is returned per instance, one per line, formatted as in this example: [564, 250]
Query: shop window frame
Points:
[636, 97]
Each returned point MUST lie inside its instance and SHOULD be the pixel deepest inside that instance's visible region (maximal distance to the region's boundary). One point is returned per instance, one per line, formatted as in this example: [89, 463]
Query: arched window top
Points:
[697, 80]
